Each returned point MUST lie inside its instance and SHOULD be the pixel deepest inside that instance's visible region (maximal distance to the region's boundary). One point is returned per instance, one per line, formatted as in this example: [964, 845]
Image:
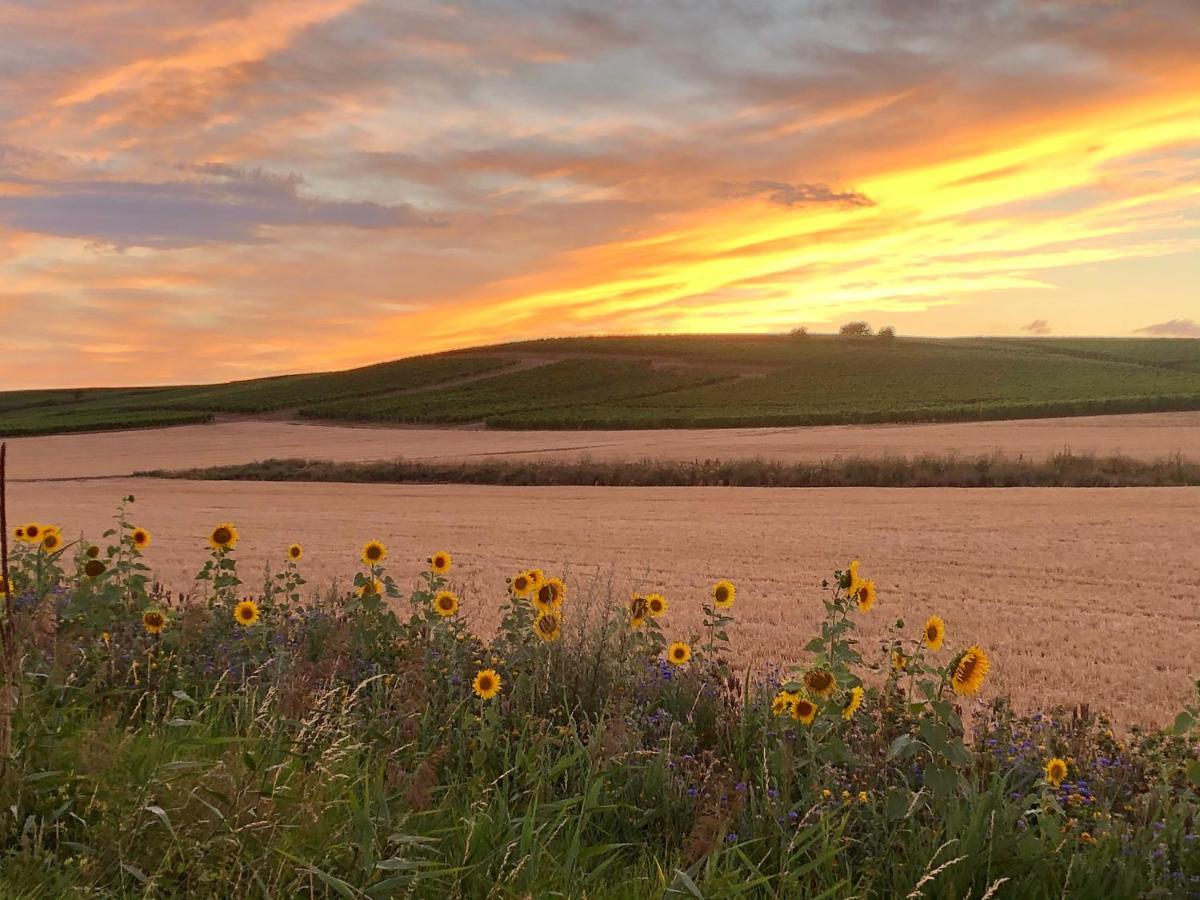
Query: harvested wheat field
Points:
[1076, 593]
[1146, 436]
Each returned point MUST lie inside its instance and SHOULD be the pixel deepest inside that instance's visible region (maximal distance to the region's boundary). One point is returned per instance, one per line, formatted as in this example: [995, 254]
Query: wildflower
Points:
[899, 661]
[374, 586]
[33, 533]
[373, 553]
[969, 671]
[656, 605]
[440, 562]
[783, 703]
[820, 682]
[93, 568]
[1056, 771]
[865, 595]
[548, 627]
[826, 793]
[51, 541]
[246, 613]
[863, 797]
[521, 584]
[223, 537]
[853, 702]
[548, 597]
[804, 711]
[295, 552]
[934, 632]
[1086, 838]
[679, 653]
[141, 538]
[486, 684]
[723, 594]
[445, 604]
[638, 609]
[153, 621]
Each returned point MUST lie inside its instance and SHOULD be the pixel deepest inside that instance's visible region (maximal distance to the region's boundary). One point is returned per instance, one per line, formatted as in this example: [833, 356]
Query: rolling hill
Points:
[674, 381]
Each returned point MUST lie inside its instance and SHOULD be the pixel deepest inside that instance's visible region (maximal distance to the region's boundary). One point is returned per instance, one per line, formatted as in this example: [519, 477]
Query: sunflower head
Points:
[94, 568]
[223, 538]
[933, 632]
[521, 584]
[93, 552]
[548, 627]
[374, 587]
[440, 562]
[656, 605]
[853, 702]
[51, 541]
[487, 684]
[820, 682]
[804, 711]
[548, 597]
[445, 604]
[969, 671]
[536, 577]
[723, 594]
[1056, 771]
[295, 552]
[33, 532]
[850, 578]
[679, 653]
[246, 613]
[864, 595]
[639, 608]
[140, 538]
[153, 621]
[374, 553]
[19, 532]
[783, 703]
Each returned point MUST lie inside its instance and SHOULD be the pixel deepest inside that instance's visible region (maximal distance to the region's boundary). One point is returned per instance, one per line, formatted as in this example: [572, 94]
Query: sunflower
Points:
[374, 586]
[899, 661]
[679, 653]
[94, 568]
[723, 594]
[223, 537]
[19, 532]
[638, 610]
[246, 613]
[864, 596]
[853, 702]
[295, 552]
[154, 621]
[850, 579]
[487, 684]
[373, 553]
[548, 627]
[141, 538]
[549, 596]
[969, 671]
[783, 703]
[1056, 771]
[93, 552]
[445, 604]
[33, 533]
[440, 562]
[934, 632]
[820, 682]
[536, 577]
[804, 710]
[51, 541]
[656, 605]
[521, 584]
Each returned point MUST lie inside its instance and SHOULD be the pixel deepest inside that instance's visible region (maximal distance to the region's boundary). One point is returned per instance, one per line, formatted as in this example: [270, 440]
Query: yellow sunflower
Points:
[33, 533]
[899, 661]
[154, 621]
[487, 684]
[804, 711]
[679, 653]
[934, 632]
[723, 594]
[850, 578]
[549, 596]
[246, 613]
[656, 605]
[374, 586]
[853, 702]
[1056, 771]
[970, 670]
[445, 604]
[548, 627]
[638, 610]
[536, 577]
[94, 568]
[783, 703]
[820, 682]
[440, 562]
[51, 529]
[373, 553]
[141, 538]
[19, 533]
[51, 541]
[521, 584]
[223, 537]
[865, 595]
[295, 552]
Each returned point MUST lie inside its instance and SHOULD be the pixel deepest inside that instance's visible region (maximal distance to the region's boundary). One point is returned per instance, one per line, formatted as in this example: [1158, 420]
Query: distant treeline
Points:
[994, 471]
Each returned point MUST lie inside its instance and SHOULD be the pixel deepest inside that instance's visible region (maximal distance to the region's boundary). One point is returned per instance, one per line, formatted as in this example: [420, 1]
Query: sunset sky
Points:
[201, 190]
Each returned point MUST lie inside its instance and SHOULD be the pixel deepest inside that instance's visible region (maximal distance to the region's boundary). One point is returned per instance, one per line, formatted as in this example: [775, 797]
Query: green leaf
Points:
[941, 781]
[1183, 723]
[903, 746]
[1193, 771]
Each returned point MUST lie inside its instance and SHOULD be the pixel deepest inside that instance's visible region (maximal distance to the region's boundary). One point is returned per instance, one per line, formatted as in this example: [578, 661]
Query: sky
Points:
[205, 190]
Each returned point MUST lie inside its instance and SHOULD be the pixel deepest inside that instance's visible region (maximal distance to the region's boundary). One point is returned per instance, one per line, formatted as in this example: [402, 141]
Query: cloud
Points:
[1037, 326]
[1188, 328]
[783, 194]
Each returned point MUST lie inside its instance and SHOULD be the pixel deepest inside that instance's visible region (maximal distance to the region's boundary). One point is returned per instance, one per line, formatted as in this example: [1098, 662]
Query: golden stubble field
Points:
[1079, 595]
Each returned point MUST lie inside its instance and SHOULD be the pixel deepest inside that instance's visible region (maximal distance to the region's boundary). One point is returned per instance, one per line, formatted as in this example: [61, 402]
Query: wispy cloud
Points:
[783, 194]
[1037, 326]
[1188, 328]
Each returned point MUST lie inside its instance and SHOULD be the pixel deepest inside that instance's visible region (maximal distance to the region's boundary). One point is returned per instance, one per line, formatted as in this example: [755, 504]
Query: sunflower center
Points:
[485, 683]
[722, 594]
[966, 668]
[222, 536]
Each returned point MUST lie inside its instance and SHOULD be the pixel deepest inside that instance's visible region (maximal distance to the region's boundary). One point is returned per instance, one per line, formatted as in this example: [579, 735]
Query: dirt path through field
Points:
[121, 453]
[1080, 595]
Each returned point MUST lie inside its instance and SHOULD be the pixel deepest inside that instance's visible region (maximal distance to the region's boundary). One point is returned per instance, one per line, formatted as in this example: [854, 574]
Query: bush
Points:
[855, 329]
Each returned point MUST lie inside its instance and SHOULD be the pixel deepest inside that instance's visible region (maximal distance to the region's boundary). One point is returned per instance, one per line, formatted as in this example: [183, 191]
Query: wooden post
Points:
[8, 680]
